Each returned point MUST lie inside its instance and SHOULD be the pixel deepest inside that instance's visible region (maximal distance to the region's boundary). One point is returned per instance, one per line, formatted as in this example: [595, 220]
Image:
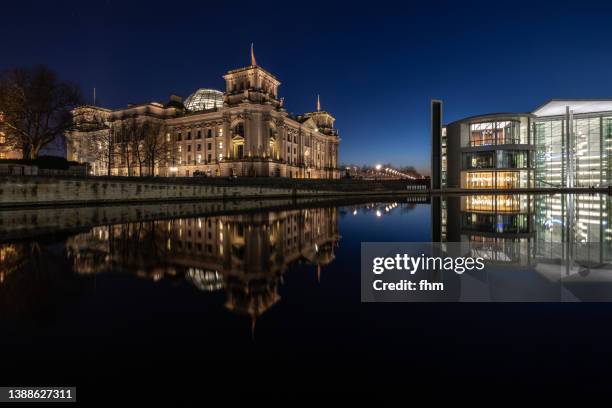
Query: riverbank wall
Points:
[19, 191]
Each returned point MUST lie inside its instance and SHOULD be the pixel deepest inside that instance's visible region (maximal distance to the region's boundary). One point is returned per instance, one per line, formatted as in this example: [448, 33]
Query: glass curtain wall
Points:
[592, 147]
[492, 133]
[606, 140]
[589, 154]
[512, 159]
[495, 179]
[479, 160]
[549, 160]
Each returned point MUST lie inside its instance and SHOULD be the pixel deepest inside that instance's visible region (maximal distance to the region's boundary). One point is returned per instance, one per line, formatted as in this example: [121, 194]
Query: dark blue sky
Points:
[376, 65]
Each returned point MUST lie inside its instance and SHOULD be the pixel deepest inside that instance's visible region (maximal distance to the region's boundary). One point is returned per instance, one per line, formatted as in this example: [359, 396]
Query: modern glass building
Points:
[563, 143]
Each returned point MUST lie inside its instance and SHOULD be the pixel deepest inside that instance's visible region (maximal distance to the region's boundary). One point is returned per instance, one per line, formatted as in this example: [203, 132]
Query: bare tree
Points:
[155, 145]
[36, 108]
[103, 148]
[125, 132]
[99, 145]
[147, 145]
[137, 131]
[141, 145]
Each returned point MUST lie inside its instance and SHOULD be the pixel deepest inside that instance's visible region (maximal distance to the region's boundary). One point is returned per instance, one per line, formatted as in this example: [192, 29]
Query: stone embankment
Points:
[32, 190]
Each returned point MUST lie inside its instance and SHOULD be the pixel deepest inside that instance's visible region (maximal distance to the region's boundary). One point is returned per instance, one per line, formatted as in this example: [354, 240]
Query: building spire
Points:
[318, 103]
[253, 61]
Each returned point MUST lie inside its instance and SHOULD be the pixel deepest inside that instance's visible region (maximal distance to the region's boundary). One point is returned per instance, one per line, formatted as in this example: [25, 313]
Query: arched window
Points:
[239, 129]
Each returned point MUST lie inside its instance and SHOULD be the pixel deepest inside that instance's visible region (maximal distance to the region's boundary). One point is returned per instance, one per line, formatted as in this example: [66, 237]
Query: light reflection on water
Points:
[248, 297]
[241, 257]
[542, 247]
[244, 255]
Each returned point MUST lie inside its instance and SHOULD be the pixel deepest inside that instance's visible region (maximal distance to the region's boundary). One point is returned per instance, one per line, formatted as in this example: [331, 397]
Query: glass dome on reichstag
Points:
[203, 99]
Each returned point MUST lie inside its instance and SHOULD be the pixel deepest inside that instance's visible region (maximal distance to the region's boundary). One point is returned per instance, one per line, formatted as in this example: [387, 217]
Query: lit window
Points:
[199, 158]
[220, 157]
[167, 137]
[220, 145]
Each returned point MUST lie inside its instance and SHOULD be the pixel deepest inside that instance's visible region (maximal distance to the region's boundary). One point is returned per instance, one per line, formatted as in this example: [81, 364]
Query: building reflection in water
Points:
[244, 255]
[501, 225]
[380, 209]
[561, 237]
[11, 257]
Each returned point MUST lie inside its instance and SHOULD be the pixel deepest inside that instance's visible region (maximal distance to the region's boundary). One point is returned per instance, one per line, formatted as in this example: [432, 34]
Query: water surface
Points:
[249, 295]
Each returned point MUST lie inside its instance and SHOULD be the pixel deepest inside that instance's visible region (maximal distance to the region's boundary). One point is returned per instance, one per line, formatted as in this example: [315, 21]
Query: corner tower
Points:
[324, 120]
[251, 84]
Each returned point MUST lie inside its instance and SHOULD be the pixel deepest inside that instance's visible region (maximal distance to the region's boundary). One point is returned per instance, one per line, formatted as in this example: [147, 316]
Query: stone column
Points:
[226, 136]
[255, 125]
[282, 143]
[213, 142]
[263, 145]
[248, 135]
[300, 151]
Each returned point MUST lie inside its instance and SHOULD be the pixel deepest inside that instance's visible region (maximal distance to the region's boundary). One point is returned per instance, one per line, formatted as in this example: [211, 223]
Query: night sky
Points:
[375, 65]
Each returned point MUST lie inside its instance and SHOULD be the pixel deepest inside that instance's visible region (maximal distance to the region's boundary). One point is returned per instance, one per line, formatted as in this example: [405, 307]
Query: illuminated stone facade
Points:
[249, 134]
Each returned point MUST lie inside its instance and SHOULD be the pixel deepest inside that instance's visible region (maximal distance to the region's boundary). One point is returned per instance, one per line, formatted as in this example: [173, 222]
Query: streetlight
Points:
[377, 174]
